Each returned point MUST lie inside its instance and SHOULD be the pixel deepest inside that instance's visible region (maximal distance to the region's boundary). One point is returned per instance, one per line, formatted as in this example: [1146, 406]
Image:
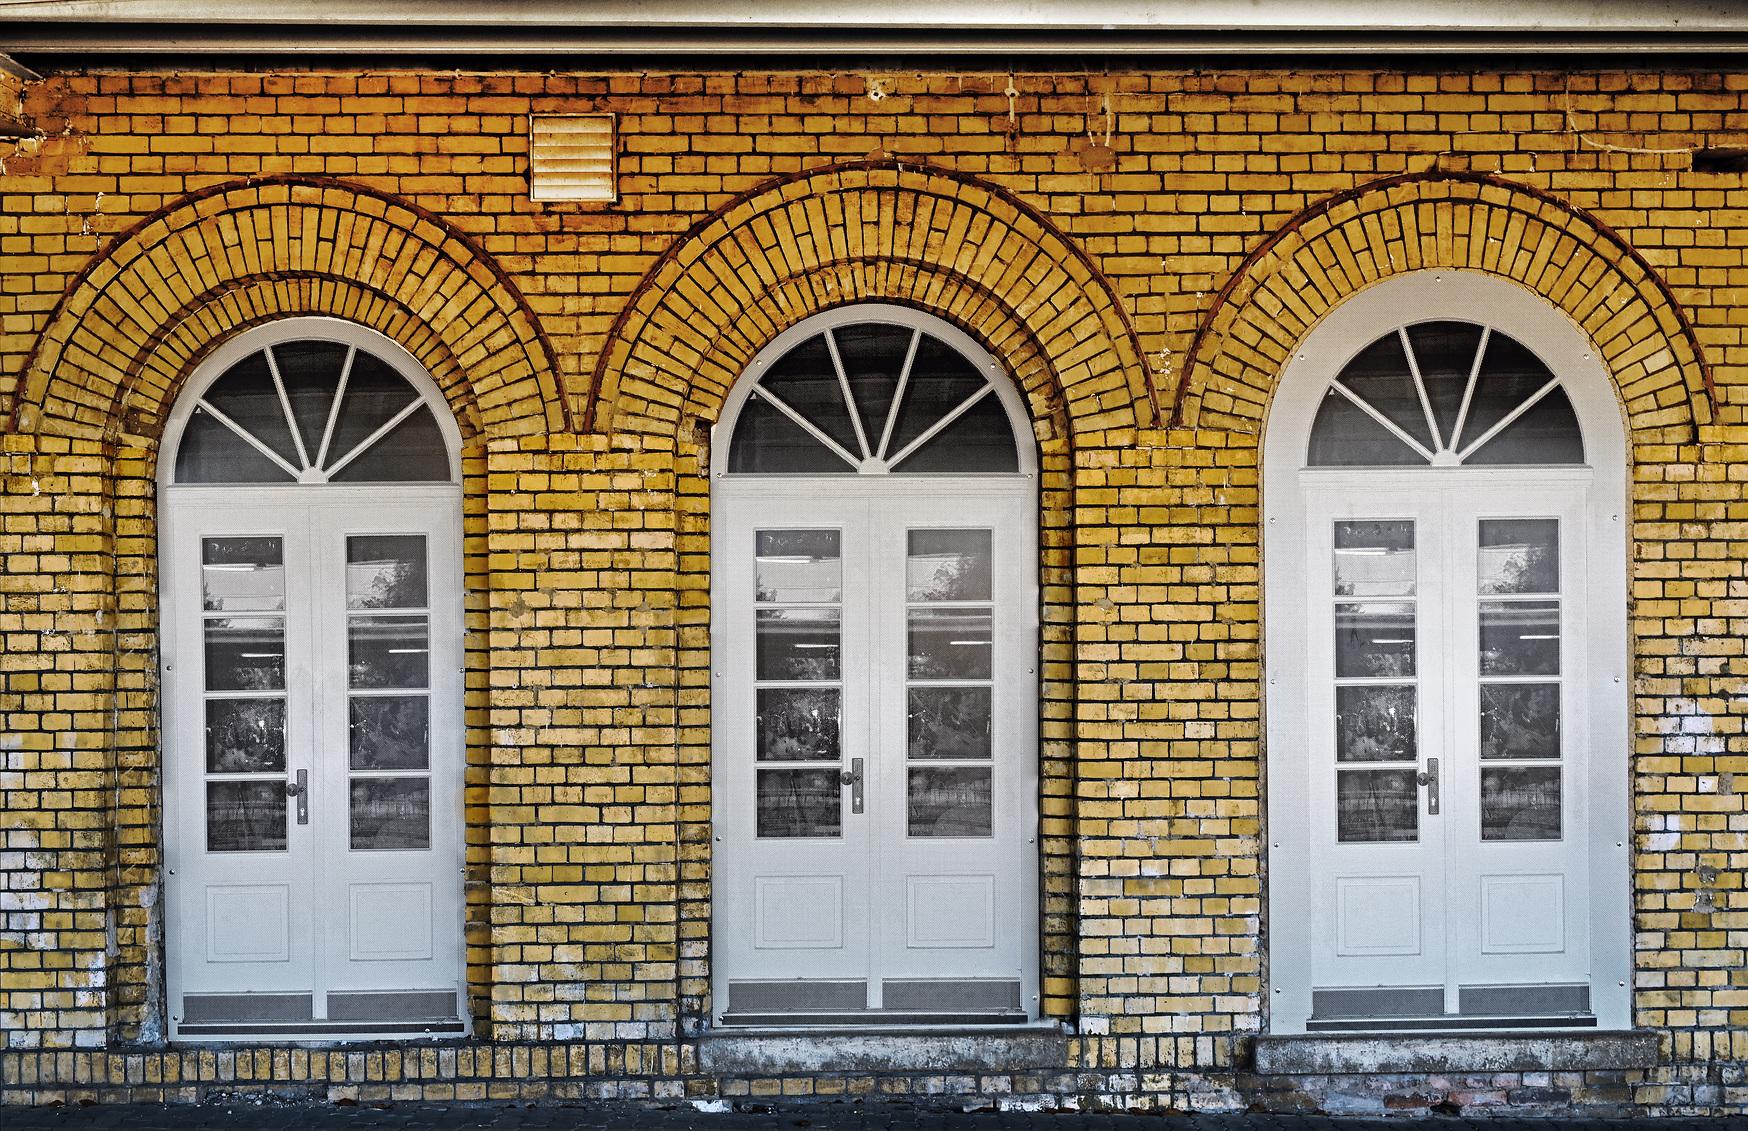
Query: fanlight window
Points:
[312, 411]
[1445, 393]
[873, 398]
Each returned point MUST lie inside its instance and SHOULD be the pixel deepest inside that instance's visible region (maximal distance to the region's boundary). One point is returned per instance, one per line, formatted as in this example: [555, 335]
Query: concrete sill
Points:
[1372, 1053]
[768, 1052]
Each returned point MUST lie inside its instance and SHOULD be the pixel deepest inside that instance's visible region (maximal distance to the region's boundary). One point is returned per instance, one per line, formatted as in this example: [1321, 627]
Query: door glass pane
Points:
[1520, 720]
[245, 816]
[1445, 352]
[797, 644]
[1374, 638]
[1375, 724]
[950, 643]
[950, 722]
[390, 732]
[1374, 806]
[391, 813]
[242, 575]
[385, 571]
[1374, 559]
[1379, 375]
[950, 801]
[245, 654]
[1520, 638]
[798, 724]
[1520, 555]
[799, 803]
[949, 565]
[873, 355]
[798, 566]
[1520, 803]
[245, 736]
[392, 651]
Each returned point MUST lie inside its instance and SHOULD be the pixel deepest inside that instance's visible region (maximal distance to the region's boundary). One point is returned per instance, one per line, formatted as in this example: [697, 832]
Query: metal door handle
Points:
[299, 787]
[852, 777]
[1429, 778]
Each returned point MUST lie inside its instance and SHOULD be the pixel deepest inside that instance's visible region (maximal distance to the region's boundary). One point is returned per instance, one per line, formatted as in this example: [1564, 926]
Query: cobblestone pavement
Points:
[816, 1117]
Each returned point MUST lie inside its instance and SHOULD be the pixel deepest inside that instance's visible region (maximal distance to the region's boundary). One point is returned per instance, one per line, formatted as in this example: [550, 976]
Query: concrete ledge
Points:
[1369, 1053]
[771, 1052]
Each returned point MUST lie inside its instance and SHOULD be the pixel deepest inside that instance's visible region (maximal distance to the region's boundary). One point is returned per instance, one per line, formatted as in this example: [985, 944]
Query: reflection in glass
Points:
[242, 575]
[1520, 555]
[245, 816]
[245, 654]
[1375, 724]
[245, 736]
[392, 651]
[950, 643]
[950, 722]
[1520, 720]
[949, 565]
[390, 732]
[385, 571]
[1374, 638]
[1374, 559]
[1520, 803]
[799, 803]
[1520, 638]
[797, 644]
[798, 724]
[949, 801]
[1376, 806]
[798, 565]
[391, 813]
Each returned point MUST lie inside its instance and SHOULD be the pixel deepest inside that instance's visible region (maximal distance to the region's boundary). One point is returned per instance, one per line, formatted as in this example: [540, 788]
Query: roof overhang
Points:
[91, 30]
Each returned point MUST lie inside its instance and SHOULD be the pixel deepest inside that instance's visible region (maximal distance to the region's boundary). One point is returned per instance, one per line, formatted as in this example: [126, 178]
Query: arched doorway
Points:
[1446, 607]
[310, 570]
[874, 691]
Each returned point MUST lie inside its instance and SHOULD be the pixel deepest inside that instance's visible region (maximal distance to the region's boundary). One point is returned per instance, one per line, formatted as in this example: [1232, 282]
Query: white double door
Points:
[874, 744]
[1448, 710]
[313, 762]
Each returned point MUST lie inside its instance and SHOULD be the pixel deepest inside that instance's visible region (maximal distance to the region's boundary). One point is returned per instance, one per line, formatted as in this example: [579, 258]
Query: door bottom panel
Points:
[1479, 1007]
[392, 1012]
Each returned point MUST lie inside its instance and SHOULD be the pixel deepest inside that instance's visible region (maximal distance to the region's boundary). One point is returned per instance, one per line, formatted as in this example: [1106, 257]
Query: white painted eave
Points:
[1220, 27]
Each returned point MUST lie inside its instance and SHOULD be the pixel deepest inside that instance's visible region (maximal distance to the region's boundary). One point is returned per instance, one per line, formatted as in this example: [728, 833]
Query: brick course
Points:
[1142, 249]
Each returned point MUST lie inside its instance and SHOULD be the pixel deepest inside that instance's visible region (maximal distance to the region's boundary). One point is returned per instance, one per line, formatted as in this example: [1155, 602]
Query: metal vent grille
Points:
[571, 157]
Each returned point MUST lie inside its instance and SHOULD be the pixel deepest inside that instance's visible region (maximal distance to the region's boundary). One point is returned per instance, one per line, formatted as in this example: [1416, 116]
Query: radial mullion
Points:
[249, 438]
[334, 409]
[365, 443]
[831, 345]
[1507, 420]
[1469, 389]
[916, 337]
[1381, 419]
[935, 429]
[285, 407]
[783, 407]
[1420, 387]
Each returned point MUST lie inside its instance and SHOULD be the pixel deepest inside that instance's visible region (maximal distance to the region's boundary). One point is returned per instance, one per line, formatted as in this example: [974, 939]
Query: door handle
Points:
[299, 787]
[852, 777]
[1429, 778]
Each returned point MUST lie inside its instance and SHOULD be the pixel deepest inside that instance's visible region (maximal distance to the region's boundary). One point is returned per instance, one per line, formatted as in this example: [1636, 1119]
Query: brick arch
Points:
[1449, 221]
[133, 324]
[959, 248]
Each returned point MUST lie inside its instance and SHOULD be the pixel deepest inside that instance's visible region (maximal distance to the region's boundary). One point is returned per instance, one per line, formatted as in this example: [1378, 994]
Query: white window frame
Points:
[1544, 329]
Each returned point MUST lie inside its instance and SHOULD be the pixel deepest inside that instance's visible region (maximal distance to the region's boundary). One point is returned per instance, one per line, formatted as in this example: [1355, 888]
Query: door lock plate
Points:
[298, 788]
[852, 777]
[1429, 778]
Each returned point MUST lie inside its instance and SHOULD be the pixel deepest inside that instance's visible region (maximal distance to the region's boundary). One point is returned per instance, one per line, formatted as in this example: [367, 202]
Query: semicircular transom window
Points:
[873, 398]
[1445, 393]
[312, 411]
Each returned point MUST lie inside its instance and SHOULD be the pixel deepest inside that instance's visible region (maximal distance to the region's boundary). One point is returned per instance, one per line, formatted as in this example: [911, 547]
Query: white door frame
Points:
[302, 514]
[1533, 321]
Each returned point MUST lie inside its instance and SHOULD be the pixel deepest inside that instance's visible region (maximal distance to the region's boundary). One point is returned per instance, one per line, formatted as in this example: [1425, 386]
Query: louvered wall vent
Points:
[571, 157]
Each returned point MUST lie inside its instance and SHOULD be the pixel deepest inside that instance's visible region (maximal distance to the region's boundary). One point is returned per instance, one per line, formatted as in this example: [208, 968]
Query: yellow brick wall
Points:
[1142, 249]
